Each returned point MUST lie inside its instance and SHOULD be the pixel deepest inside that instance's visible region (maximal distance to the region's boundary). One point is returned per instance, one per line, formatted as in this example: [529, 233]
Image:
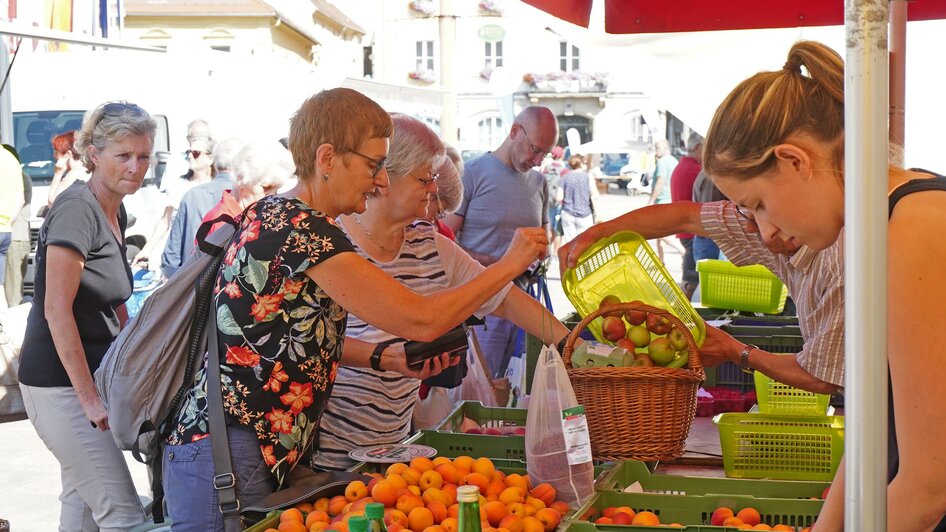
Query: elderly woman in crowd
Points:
[288, 280]
[259, 169]
[449, 192]
[369, 406]
[82, 282]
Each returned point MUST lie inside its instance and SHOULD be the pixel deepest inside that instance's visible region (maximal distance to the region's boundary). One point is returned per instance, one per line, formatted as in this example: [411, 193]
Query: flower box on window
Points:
[491, 7]
[422, 7]
[574, 81]
[422, 76]
[486, 73]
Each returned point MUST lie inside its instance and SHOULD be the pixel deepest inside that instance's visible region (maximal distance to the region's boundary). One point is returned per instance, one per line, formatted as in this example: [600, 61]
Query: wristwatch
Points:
[375, 358]
[744, 357]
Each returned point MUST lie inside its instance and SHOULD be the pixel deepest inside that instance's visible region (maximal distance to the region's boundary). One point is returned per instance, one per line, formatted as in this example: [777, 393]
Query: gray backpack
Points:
[150, 365]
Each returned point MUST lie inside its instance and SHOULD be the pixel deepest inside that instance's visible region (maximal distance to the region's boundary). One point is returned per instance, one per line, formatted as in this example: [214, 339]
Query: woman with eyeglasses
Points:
[82, 282]
[449, 192]
[289, 279]
[370, 406]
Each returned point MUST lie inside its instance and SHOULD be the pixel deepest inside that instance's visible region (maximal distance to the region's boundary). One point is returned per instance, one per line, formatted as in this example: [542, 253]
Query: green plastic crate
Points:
[780, 446]
[627, 473]
[777, 398]
[749, 288]
[484, 416]
[762, 330]
[452, 445]
[624, 265]
[692, 511]
[728, 374]
[740, 318]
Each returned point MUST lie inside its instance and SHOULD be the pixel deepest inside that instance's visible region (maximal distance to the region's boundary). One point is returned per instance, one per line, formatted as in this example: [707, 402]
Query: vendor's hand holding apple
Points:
[719, 347]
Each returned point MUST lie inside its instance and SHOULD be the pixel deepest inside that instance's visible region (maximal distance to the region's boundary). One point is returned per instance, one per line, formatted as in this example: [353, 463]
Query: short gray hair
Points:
[413, 145]
[100, 129]
[263, 163]
[449, 185]
[225, 151]
[694, 141]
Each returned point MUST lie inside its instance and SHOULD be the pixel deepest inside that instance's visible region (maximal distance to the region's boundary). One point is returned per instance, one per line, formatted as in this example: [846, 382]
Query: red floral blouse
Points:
[280, 333]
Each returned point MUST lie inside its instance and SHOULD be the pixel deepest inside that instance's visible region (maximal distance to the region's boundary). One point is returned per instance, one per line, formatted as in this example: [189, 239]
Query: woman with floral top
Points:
[287, 282]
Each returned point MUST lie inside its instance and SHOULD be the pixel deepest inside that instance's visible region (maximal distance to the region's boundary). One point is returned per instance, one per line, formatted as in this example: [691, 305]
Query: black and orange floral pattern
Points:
[280, 334]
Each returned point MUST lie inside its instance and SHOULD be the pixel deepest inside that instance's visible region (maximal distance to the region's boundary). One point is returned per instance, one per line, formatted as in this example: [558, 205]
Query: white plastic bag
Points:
[477, 385]
[429, 412]
[558, 448]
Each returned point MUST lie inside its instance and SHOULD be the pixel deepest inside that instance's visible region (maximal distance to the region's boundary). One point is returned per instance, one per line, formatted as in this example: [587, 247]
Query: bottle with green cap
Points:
[469, 515]
[374, 511]
[357, 523]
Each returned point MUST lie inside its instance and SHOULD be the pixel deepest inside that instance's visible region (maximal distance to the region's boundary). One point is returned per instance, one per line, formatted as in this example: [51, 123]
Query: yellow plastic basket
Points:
[779, 446]
[747, 288]
[777, 398]
[624, 265]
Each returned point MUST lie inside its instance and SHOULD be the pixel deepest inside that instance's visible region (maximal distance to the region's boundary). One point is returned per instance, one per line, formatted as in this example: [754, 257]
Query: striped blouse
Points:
[815, 280]
[369, 407]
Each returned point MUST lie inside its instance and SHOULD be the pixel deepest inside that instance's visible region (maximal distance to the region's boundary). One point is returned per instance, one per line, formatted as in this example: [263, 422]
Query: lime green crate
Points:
[748, 288]
[452, 445]
[777, 398]
[762, 330]
[624, 265]
[757, 445]
[632, 473]
[487, 417]
[694, 512]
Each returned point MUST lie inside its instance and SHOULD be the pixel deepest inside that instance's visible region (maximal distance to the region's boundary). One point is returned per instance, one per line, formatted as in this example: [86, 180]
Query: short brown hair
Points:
[341, 117]
[768, 108]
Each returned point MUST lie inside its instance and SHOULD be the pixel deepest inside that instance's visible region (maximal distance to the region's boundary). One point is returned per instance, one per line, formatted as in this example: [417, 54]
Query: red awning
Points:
[652, 16]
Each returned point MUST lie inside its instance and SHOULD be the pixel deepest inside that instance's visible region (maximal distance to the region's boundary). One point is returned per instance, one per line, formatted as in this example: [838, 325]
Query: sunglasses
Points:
[120, 108]
[193, 153]
[377, 164]
[432, 178]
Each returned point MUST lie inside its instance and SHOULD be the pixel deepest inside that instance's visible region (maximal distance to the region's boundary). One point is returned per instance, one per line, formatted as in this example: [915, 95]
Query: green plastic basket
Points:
[487, 417]
[624, 265]
[749, 288]
[780, 446]
[692, 511]
[634, 474]
[777, 398]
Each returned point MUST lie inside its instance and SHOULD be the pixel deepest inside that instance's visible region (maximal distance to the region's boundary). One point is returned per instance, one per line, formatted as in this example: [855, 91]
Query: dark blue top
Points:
[195, 204]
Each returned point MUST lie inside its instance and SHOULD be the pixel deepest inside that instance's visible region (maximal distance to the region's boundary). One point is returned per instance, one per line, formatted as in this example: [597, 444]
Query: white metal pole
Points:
[448, 48]
[866, 108]
[898, 67]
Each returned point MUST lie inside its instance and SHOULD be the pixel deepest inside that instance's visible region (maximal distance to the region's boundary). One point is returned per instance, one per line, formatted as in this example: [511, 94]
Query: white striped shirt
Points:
[370, 407]
[815, 280]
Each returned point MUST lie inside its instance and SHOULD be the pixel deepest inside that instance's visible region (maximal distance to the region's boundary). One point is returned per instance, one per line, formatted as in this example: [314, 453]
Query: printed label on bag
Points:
[575, 430]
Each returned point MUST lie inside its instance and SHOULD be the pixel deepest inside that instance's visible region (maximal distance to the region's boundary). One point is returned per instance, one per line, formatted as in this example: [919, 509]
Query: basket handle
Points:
[693, 360]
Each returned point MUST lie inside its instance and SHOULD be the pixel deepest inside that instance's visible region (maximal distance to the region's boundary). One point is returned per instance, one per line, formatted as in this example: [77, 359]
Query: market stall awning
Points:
[647, 16]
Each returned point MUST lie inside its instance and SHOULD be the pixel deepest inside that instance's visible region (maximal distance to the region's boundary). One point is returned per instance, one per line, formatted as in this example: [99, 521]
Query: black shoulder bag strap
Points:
[224, 480]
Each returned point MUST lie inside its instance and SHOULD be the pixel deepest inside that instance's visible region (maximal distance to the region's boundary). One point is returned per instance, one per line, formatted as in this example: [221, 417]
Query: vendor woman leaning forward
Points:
[288, 280]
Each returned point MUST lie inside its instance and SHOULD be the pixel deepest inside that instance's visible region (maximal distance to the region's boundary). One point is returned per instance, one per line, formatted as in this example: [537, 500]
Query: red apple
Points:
[635, 317]
[643, 360]
[609, 300]
[492, 432]
[613, 328]
[474, 430]
[721, 514]
[658, 324]
[626, 344]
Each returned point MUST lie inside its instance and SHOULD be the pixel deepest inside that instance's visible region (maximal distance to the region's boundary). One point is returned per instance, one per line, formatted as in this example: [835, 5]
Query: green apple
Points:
[661, 352]
[639, 335]
[677, 339]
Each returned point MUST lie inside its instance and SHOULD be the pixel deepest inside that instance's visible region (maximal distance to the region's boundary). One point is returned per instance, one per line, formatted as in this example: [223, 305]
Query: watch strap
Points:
[744, 358]
[375, 358]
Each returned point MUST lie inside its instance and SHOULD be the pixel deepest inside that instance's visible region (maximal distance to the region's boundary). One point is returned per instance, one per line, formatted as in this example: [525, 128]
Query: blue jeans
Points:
[704, 248]
[188, 480]
[5, 239]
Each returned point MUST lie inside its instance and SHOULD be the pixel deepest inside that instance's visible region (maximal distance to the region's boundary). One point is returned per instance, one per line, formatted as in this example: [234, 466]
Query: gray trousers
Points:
[97, 490]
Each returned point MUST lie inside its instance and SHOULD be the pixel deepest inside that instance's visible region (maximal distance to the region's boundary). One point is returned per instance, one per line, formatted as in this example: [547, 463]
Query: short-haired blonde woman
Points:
[82, 282]
[375, 407]
[288, 280]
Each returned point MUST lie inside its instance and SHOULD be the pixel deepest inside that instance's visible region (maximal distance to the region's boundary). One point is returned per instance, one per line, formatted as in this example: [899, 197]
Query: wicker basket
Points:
[637, 413]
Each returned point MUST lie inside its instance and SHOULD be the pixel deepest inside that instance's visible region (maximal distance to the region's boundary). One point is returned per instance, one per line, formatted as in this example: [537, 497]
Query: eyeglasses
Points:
[532, 149]
[745, 214]
[194, 153]
[377, 164]
[431, 178]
